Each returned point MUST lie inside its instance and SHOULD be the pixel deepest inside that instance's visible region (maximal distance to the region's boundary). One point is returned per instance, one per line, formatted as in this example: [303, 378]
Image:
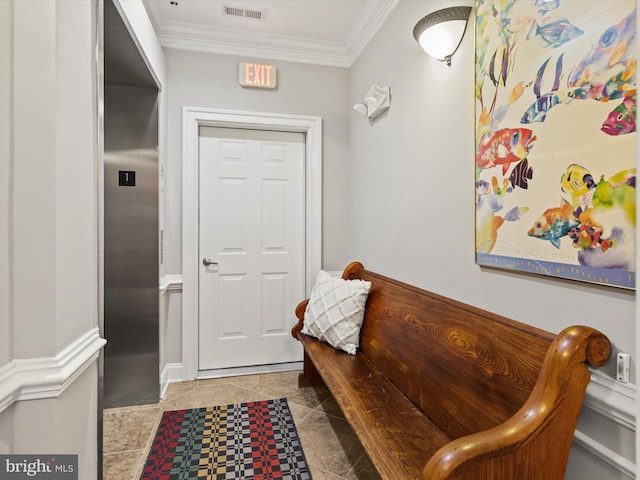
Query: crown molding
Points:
[369, 22]
[228, 41]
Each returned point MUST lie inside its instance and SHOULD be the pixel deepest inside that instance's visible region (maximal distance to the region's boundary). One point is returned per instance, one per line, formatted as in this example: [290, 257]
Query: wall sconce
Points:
[440, 33]
[376, 101]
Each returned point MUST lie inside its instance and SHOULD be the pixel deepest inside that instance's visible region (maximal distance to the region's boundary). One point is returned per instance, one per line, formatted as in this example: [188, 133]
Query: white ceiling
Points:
[327, 32]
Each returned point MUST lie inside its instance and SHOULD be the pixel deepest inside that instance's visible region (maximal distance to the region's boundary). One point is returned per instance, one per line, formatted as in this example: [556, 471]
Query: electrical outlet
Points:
[622, 371]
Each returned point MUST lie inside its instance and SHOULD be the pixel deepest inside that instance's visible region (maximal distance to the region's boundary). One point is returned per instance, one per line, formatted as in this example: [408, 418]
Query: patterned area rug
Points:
[255, 440]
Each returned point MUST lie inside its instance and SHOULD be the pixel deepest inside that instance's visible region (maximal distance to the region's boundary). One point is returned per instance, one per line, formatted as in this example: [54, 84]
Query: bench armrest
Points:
[300, 309]
[535, 442]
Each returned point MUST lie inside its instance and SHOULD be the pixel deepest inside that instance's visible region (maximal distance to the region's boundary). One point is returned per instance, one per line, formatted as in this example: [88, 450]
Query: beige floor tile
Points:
[310, 397]
[319, 474]
[264, 381]
[329, 443]
[127, 429]
[363, 470]
[330, 407]
[122, 466]
[298, 412]
[212, 394]
[177, 389]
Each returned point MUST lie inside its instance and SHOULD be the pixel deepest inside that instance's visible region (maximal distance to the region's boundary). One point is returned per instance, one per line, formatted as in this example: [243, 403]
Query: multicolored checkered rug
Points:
[255, 440]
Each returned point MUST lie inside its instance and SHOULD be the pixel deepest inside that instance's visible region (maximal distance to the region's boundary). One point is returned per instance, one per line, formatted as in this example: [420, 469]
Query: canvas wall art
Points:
[556, 140]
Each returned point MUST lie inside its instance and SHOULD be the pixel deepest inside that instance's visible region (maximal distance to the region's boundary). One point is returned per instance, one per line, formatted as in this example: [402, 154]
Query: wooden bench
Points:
[444, 390]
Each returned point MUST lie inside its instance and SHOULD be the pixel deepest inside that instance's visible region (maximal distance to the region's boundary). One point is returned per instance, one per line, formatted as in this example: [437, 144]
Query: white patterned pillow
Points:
[335, 311]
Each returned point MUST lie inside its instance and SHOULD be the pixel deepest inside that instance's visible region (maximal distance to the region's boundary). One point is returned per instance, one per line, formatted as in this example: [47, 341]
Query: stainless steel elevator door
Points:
[131, 303]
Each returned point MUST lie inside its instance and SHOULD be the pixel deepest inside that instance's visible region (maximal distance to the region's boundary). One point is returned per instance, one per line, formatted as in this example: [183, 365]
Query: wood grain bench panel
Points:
[494, 361]
[442, 390]
[389, 426]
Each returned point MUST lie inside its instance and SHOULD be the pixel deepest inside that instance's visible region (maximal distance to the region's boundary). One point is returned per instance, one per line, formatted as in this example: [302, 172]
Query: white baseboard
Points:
[171, 373]
[235, 371]
[48, 377]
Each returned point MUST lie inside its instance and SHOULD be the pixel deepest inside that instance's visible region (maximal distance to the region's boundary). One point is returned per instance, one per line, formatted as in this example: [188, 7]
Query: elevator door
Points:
[131, 304]
[252, 253]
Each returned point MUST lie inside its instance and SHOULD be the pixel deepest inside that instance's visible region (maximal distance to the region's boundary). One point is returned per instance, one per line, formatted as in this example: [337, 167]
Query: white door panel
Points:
[252, 224]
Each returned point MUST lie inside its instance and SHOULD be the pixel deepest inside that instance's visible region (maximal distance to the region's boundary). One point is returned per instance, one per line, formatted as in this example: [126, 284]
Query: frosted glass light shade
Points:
[440, 33]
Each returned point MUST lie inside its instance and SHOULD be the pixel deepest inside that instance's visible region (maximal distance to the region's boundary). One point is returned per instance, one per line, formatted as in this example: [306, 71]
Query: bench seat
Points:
[396, 434]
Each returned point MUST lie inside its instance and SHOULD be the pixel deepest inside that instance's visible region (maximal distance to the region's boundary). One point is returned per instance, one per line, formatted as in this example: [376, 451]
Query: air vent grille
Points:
[244, 13]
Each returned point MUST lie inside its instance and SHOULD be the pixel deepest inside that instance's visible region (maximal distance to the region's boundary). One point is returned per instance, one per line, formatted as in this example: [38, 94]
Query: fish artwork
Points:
[545, 6]
[622, 119]
[521, 174]
[553, 33]
[555, 223]
[608, 71]
[515, 214]
[504, 147]
[578, 182]
[537, 112]
[504, 67]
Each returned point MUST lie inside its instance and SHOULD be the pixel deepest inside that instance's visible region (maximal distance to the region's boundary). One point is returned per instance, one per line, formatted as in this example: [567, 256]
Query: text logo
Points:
[39, 467]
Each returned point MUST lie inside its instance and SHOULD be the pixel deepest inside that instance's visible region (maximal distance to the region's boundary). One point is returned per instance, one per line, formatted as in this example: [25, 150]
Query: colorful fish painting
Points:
[482, 188]
[521, 174]
[504, 147]
[547, 5]
[554, 224]
[615, 253]
[535, 61]
[608, 71]
[610, 196]
[504, 67]
[578, 182]
[537, 112]
[553, 33]
[587, 236]
[610, 224]
[488, 223]
[515, 214]
[622, 119]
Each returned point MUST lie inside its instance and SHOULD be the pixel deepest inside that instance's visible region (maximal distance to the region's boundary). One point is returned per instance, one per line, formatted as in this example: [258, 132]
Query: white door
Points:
[251, 235]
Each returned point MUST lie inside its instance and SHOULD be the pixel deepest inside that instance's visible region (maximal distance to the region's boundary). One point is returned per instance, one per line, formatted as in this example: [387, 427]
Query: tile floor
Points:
[331, 448]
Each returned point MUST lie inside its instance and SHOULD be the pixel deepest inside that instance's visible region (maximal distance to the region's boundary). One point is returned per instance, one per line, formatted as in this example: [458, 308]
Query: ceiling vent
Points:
[244, 13]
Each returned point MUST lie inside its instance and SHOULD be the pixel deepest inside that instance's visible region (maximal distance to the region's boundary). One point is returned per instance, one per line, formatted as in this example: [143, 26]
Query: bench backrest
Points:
[466, 368]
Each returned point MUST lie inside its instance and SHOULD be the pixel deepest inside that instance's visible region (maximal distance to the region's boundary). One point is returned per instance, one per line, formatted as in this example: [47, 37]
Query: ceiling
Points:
[326, 32]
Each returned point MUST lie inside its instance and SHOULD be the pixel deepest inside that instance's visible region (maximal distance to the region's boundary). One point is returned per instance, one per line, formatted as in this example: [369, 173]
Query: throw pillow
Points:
[335, 311]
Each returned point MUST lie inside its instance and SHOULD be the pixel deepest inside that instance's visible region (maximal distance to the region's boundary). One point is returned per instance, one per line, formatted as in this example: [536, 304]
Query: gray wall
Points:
[211, 81]
[5, 169]
[48, 223]
[405, 167]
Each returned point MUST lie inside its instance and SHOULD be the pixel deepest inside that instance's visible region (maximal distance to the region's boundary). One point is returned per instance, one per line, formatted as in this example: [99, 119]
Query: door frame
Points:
[192, 119]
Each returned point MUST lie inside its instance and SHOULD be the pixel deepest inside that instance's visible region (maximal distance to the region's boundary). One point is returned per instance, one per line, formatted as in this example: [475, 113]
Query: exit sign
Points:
[257, 75]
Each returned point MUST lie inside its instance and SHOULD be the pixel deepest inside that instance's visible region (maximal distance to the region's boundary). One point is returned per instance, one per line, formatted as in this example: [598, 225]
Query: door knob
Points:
[206, 261]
